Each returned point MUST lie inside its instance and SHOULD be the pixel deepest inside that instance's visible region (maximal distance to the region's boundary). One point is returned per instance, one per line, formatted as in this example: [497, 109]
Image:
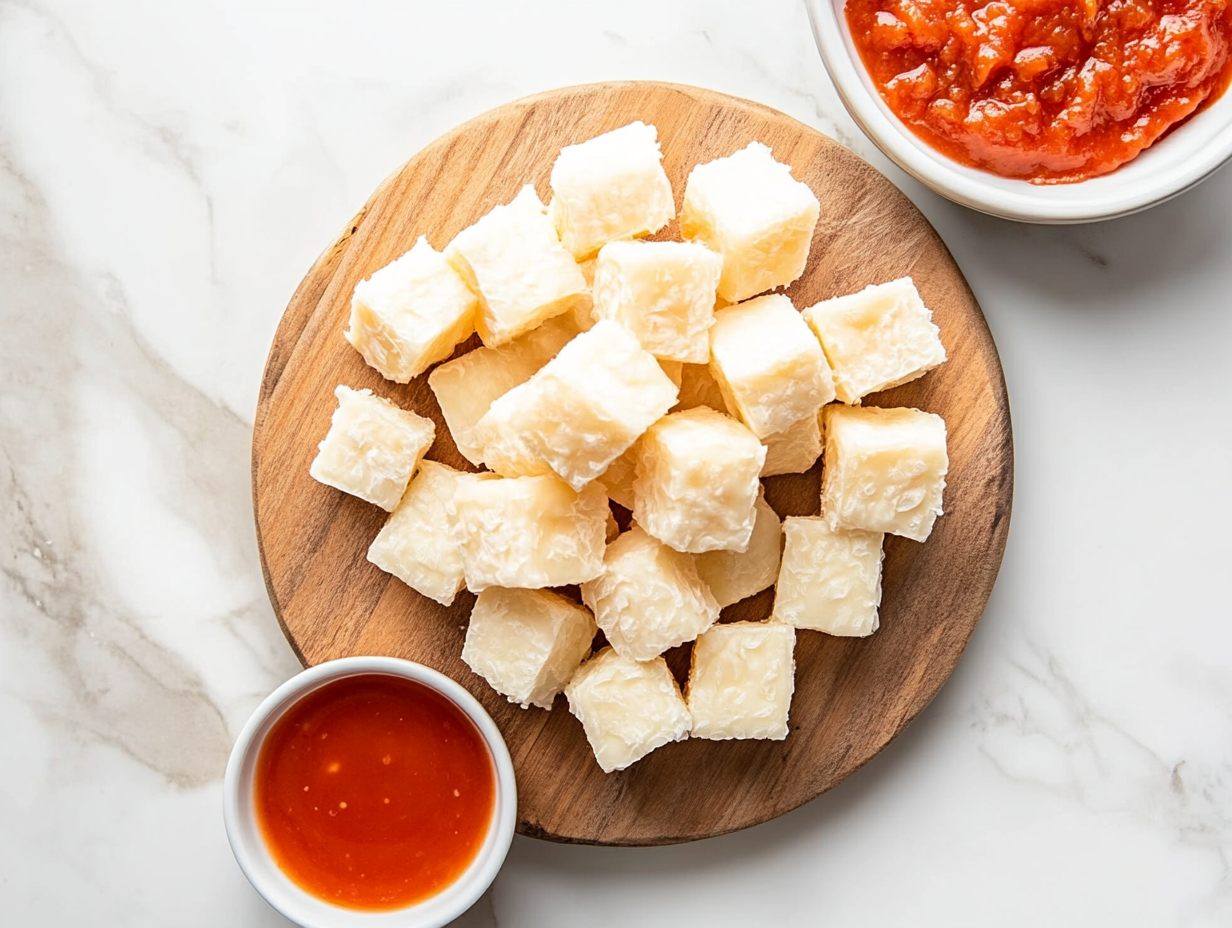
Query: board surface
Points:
[852, 695]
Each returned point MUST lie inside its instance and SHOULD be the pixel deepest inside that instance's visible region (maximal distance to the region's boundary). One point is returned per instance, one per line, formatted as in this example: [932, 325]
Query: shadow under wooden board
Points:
[852, 695]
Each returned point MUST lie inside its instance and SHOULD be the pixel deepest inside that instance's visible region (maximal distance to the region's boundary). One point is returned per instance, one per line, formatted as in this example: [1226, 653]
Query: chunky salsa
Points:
[1045, 90]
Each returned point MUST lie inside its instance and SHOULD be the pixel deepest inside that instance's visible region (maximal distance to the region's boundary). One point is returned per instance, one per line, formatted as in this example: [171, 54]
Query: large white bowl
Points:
[1169, 167]
[307, 910]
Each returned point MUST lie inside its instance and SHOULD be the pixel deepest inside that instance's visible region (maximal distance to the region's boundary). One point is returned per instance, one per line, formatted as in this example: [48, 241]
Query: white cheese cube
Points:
[696, 482]
[830, 580]
[372, 448]
[885, 469]
[795, 449]
[582, 410]
[649, 597]
[619, 476]
[736, 575]
[465, 387]
[741, 681]
[662, 292]
[410, 314]
[416, 543]
[749, 209]
[768, 364]
[699, 388]
[514, 261]
[627, 708]
[609, 188]
[584, 313]
[878, 338]
[528, 532]
[527, 643]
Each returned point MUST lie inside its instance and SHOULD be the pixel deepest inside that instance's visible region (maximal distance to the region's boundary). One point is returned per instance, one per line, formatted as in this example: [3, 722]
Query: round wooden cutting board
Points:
[852, 695]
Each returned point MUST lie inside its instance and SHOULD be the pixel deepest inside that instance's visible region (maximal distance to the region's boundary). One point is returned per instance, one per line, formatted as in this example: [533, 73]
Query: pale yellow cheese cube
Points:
[696, 482]
[584, 313]
[582, 410]
[750, 209]
[649, 597]
[795, 449]
[884, 471]
[514, 261]
[372, 448]
[610, 187]
[465, 387]
[627, 708]
[527, 643]
[830, 580]
[736, 575]
[741, 681]
[768, 364]
[416, 543]
[878, 338]
[699, 388]
[619, 476]
[528, 532]
[410, 314]
[662, 292]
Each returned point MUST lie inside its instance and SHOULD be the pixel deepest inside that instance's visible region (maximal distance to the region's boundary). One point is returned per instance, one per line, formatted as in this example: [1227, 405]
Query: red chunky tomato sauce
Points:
[374, 792]
[1049, 91]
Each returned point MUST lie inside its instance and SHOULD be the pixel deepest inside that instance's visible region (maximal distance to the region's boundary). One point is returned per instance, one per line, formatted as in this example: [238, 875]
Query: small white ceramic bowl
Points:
[1169, 167]
[307, 910]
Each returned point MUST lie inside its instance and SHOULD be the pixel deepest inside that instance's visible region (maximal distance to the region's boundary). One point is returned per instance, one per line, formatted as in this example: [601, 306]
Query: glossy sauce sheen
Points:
[1048, 91]
[374, 792]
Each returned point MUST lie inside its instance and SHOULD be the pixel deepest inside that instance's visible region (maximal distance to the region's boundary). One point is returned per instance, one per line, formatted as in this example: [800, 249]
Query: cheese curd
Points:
[527, 644]
[749, 209]
[466, 387]
[795, 449]
[411, 314]
[609, 188]
[885, 470]
[528, 532]
[513, 259]
[741, 681]
[649, 597]
[415, 544]
[768, 364]
[583, 410]
[372, 448]
[696, 481]
[876, 339]
[830, 580]
[663, 293]
[736, 575]
[627, 708]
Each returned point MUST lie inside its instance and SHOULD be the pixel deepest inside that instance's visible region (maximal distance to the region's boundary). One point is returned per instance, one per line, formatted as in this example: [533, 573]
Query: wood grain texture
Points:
[852, 695]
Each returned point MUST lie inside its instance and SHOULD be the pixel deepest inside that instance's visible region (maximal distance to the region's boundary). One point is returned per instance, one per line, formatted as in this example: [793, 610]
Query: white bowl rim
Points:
[309, 911]
[1184, 158]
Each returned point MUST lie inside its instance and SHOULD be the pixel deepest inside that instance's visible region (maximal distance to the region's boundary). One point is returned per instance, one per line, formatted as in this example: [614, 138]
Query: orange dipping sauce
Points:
[1044, 90]
[374, 792]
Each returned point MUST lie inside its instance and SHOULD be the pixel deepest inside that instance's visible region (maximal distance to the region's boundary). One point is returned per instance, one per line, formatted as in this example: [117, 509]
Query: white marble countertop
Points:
[168, 172]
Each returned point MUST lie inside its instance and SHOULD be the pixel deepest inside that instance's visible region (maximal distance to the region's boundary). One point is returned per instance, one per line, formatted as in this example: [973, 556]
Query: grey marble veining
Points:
[167, 174]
